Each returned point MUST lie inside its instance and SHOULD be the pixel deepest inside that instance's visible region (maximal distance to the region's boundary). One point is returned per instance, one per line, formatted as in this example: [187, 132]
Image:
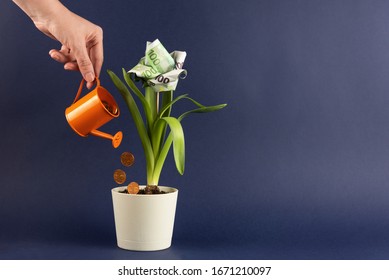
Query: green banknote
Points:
[160, 69]
[158, 58]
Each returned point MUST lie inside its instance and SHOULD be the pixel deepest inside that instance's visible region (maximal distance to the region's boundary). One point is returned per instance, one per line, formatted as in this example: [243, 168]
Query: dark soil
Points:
[148, 190]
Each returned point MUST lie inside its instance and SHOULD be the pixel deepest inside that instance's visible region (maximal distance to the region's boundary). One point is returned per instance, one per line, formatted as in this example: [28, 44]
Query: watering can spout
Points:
[116, 139]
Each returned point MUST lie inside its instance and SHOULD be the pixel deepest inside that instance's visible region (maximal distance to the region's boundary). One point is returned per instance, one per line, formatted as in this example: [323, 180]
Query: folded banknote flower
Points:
[159, 69]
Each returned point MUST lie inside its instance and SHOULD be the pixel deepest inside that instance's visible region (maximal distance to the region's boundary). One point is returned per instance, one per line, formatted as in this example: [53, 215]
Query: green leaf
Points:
[157, 136]
[160, 161]
[138, 93]
[195, 102]
[167, 107]
[169, 140]
[131, 104]
[203, 110]
[151, 98]
[167, 96]
[159, 131]
[178, 140]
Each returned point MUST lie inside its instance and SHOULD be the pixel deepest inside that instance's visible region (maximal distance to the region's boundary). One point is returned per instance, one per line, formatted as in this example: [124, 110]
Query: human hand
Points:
[82, 44]
[82, 41]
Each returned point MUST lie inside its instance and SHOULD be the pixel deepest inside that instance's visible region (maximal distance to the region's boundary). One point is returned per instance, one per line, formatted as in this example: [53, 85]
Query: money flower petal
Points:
[159, 69]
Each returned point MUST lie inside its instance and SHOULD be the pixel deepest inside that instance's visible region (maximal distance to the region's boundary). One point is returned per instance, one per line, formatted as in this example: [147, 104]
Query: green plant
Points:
[157, 107]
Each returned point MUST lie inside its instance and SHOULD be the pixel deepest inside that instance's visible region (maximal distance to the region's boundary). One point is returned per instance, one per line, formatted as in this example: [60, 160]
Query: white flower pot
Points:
[144, 222]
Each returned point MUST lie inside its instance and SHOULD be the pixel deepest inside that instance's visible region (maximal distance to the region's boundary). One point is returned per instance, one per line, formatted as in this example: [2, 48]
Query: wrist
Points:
[41, 11]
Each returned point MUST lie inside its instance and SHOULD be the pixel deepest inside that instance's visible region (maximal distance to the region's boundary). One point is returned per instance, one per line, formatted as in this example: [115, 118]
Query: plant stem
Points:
[161, 158]
[151, 98]
[157, 102]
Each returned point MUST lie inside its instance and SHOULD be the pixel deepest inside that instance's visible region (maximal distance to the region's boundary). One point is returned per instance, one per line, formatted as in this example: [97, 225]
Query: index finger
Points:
[84, 63]
[97, 57]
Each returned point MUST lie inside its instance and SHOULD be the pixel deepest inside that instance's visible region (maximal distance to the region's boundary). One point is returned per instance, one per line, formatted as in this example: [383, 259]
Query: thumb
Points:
[85, 65]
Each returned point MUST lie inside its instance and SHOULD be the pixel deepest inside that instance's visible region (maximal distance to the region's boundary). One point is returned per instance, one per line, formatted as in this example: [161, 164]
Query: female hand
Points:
[82, 41]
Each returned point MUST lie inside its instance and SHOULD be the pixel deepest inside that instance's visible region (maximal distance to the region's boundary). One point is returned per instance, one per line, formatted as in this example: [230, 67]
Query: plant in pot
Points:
[144, 220]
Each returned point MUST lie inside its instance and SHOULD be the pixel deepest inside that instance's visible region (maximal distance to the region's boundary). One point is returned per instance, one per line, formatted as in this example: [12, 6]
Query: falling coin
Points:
[119, 176]
[133, 188]
[127, 159]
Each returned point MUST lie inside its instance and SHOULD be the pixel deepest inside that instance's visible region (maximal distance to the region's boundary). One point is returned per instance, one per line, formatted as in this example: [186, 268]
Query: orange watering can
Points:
[93, 110]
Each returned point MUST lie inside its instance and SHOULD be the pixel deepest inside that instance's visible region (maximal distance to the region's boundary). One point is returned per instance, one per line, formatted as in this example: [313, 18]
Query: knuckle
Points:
[84, 63]
[99, 31]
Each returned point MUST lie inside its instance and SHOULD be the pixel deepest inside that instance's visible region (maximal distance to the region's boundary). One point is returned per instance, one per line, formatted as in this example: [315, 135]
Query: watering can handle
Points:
[81, 86]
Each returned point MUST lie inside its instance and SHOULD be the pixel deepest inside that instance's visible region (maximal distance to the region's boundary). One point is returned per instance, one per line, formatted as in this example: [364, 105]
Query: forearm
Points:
[40, 10]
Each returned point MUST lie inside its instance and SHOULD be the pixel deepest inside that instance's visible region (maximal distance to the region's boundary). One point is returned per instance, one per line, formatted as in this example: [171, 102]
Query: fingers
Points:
[78, 61]
[64, 57]
[71, 66]
[96, 52]
[85, 65]
[97, 58]
[59, 56]
[84, 54]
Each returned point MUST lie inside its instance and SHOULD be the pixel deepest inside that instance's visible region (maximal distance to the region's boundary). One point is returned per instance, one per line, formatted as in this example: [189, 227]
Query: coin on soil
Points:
[127, 159]
[133, 188]
[119, 176]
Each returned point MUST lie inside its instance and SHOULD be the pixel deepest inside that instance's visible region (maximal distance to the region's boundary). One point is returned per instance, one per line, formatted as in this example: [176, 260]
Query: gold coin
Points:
[127, 159]
[133, 188]
[119, 176]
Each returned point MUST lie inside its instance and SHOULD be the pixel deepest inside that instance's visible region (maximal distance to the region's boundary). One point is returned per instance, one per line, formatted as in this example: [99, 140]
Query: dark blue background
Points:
[296, 167]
